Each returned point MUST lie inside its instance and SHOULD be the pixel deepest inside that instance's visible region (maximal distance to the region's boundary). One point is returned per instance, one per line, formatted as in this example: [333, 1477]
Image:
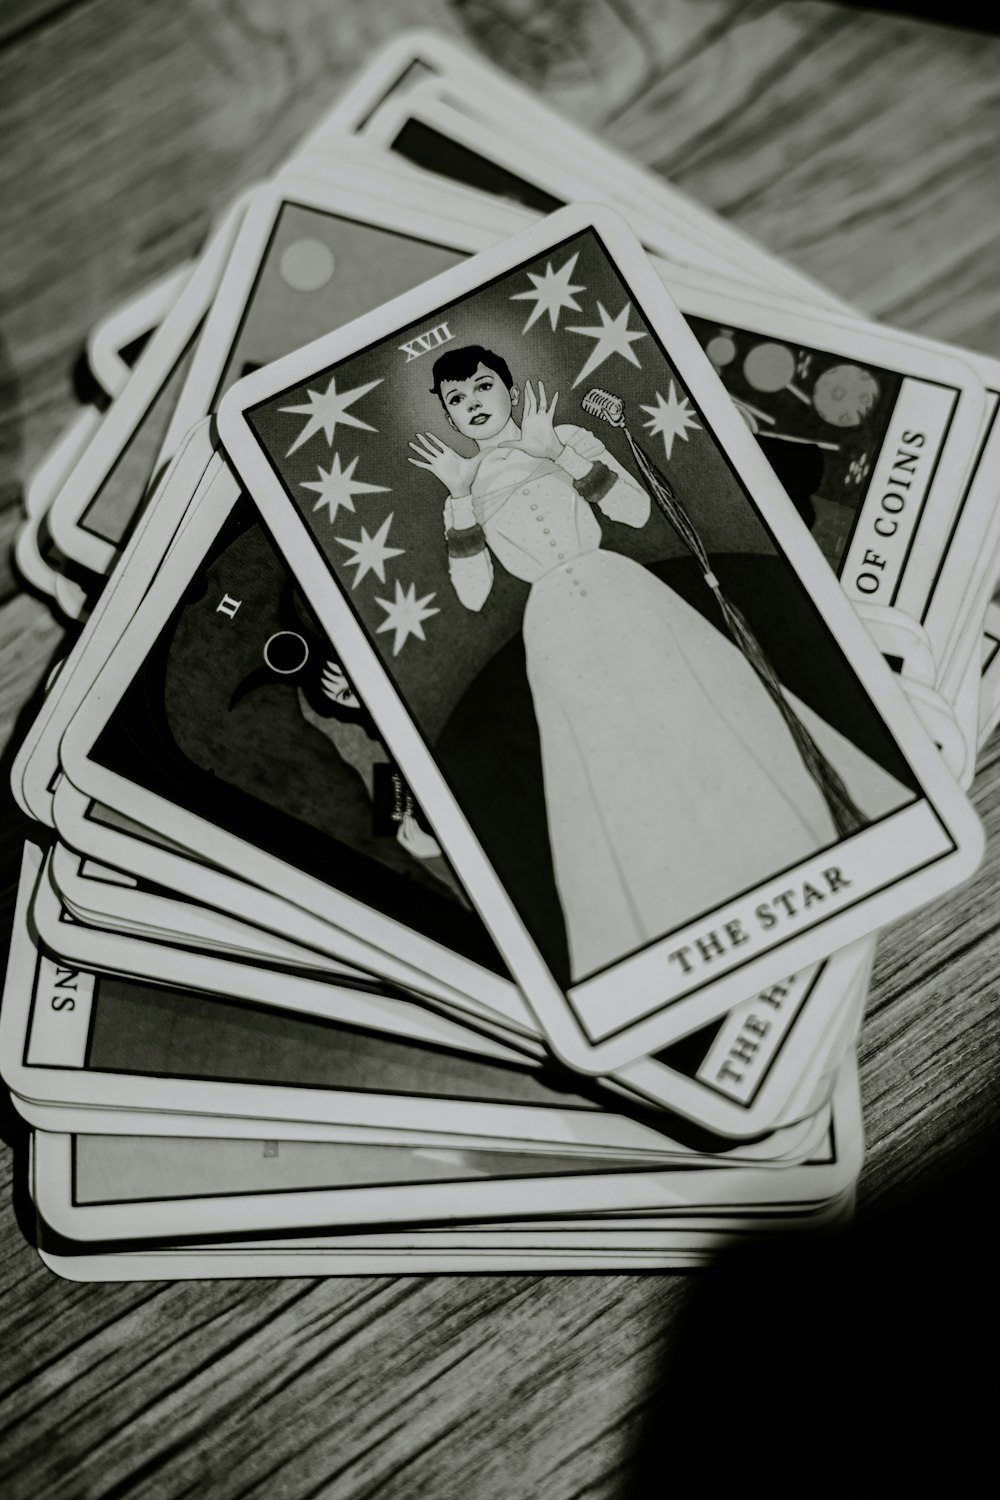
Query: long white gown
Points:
[671, 780]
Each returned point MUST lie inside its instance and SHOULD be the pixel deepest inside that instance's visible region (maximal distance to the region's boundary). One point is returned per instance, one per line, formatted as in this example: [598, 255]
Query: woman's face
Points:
[478, 407]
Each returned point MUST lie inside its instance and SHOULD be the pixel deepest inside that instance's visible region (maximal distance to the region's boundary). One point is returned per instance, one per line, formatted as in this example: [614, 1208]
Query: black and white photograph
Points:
[501, 641]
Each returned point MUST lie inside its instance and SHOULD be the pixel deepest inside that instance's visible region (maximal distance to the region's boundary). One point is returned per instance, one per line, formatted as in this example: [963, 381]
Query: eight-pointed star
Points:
[612, 337]
[325, 409]
[371, 553]
[671, 418]
[552, 292]
[336, 487]
[405, 615]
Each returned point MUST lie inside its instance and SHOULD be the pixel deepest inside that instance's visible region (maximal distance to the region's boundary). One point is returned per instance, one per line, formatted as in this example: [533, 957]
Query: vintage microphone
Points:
[847, 817]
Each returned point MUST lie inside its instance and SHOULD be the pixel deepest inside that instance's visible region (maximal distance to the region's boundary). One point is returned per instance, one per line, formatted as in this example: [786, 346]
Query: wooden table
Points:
[867, 150]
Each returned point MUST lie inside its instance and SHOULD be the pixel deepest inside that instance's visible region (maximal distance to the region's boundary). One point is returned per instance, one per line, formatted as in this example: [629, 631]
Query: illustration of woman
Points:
[671, 781]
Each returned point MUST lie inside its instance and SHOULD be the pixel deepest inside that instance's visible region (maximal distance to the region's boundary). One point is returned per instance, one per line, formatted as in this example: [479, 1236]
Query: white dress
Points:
[671, 781]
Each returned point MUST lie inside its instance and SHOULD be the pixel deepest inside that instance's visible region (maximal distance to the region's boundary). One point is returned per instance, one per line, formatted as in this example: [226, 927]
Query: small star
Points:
[670, 419]
[552, 292]
[335, 487]
[325, 409]
[405, 615]
[372, 552]
[612, 337]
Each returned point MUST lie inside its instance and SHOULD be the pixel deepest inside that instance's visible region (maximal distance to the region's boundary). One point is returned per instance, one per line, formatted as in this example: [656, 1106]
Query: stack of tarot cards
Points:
[531, 638]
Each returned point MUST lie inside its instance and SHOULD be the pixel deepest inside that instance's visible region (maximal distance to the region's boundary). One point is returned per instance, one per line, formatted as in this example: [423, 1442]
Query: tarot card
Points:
[542, 1244]
[365, 169]
[937, 716]
[90, 1119]
[310, 256]
[626, 1231]
[733, 1077]
[44, 482]
[871, 434]
[72, 1203]
[77, 1037]
[74, 1032]
[271, 980]
[967, 710]
[430, 1252]
[73, 1119]
[335, 825]
[279, 301]
[92, 514]
[135, 1169]
[36, 764]
[989, 704]
[762, 1065]
[123, 904]
[115, 343]
[254, 309]
[433, 122]
[800, 457]
[258, 316]
[489, 160]
[754, 1070]
[418, 60]
[969, 569]
[107, 835]
[853, 390]
[201, 1265]
[41, 573]
[260, 564]
[41, 569]
[649, 943]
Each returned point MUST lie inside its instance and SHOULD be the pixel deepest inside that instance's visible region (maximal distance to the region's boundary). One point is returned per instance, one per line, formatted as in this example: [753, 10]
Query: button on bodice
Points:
[534, 519]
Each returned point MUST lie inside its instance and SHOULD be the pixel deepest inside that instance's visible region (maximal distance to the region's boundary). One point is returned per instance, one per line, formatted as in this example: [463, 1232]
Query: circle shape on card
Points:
[769, 367]
[306, 265]
[721, 350]
[845, 394]
[286, 652]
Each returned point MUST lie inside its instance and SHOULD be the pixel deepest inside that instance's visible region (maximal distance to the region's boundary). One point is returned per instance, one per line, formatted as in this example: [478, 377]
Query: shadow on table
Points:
[819, 1364]
[975, 15]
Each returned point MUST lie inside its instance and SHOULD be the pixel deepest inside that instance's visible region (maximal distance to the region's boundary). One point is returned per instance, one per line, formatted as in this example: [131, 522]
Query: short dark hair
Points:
[462, 364]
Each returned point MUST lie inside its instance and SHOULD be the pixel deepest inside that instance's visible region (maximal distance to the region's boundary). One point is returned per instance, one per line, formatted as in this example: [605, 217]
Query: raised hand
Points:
[455, 472]
[538, 436]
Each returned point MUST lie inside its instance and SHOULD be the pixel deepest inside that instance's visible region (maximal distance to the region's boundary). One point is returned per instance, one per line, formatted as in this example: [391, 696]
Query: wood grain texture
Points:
[866, 149]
